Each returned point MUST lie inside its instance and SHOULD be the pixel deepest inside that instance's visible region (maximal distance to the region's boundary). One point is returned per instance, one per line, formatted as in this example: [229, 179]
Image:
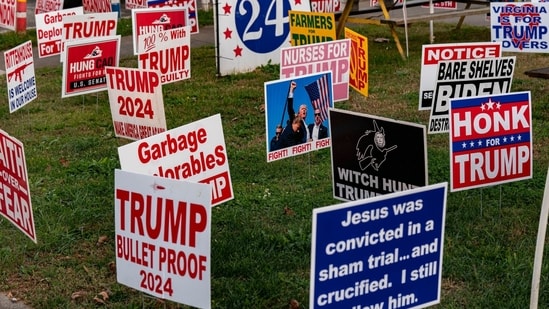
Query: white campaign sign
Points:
[163, 235]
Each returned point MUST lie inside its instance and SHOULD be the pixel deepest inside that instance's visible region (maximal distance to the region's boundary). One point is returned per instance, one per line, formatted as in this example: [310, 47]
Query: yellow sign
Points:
[358, 73]
[311, 27]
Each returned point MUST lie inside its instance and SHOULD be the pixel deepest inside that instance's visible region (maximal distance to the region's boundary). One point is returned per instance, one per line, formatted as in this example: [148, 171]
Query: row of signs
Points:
[382, 247]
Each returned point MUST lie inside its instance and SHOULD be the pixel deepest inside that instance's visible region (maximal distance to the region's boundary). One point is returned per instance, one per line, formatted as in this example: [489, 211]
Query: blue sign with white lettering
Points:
[384, 252]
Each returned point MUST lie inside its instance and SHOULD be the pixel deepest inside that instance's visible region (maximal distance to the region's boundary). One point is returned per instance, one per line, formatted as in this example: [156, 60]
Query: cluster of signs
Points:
[383, 247]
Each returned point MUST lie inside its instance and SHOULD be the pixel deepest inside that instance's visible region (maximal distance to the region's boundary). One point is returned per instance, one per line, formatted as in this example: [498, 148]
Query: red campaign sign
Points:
[7, 14]
[189, 5]
[491, 140]
[147, 21]
[97, 6]
[84, 66]
[15, 201]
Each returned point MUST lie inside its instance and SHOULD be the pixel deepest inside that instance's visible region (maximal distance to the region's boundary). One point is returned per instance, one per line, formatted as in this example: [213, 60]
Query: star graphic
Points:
[482, 107]
[227, 9]
[227, 33]
[505, 139]
[498, 105]
[512, 138]
[519, 137]
[490, 104]
[237, 51]
[464, 145]
[472, 144]
[297, 2]
[479, 143]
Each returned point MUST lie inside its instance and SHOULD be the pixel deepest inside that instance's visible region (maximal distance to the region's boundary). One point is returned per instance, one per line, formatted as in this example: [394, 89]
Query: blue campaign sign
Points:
[383, 252]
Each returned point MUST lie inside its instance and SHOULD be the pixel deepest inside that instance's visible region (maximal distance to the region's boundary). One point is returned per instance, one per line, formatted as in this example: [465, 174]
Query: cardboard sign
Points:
[445, 5]
[296, 111]
[327, 6]
[148, 21]
[467, 78]
[520, 27]
[431, 54]
[382, 252]
[15, 200]
[97, 6]
[250, 34]
[189, 5]
[135, 4]
[45, 6]
[311, 27]
[85, 63]
[195, 152]
[168, 52]
[87, 26]
[163, 236]
[373, 156]
[314, 58]
[490, 140]
[136, 101]
[21, 81]
[358, 75]
[49, 30]
[7, 14]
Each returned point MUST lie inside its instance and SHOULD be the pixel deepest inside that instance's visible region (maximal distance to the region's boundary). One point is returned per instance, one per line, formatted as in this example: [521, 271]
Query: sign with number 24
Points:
[250, 33]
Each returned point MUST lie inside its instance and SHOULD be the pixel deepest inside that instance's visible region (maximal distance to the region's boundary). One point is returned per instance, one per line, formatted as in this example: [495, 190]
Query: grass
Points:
[261, 239]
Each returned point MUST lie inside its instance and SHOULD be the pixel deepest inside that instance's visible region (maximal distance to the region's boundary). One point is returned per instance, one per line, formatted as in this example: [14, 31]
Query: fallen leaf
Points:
[64, 162]
[99, 300]
[102, 239]
[112, 267]
[288, 211]
[77, 295]
[104, 294]
[294, 304]
[262, 108]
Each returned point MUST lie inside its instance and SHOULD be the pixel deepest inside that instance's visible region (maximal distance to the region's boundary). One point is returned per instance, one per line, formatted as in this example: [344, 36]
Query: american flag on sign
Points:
[319, 92]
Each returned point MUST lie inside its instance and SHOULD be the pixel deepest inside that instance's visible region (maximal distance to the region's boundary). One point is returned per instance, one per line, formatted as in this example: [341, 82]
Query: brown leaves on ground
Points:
[288, 211]
[294, 304]
[102, 239]
[12, 298]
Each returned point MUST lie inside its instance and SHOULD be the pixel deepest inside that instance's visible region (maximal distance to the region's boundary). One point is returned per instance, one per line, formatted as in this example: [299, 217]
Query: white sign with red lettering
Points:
[44, 6]
[7, 14]
[137, 104]
[49, 30]
[20, 76]
[15, 200]
[87, 26]
[331, 56]
[168, 52]
[194, 152]
[163, 237]
[151, 20]
[432, 54]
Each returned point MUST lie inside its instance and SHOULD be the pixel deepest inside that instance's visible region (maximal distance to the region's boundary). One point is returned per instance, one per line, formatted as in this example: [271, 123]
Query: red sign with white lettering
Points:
[85, 62]
[490, 140]
[15, 201]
